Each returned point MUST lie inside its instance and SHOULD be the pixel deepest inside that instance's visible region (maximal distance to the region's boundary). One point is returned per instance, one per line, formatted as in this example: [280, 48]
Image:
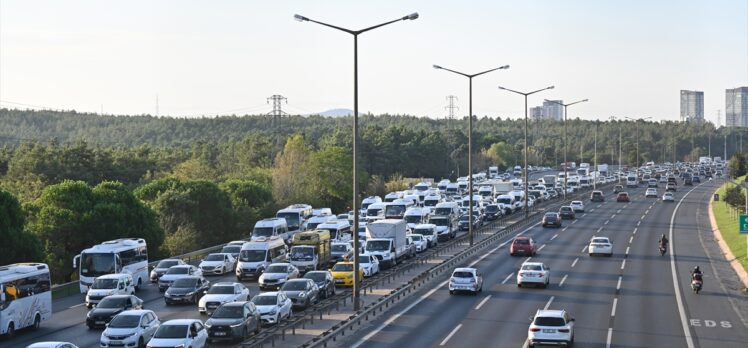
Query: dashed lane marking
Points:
[631, 240]
[610, 337]
[507, 278]
[623, 264]
[548, 304]
[446, 339]
[561, 283]
[618, 286]
[554, 236]
[482, 302]
[541, 247]
[613, 311]
[575, 262]
[627, 250]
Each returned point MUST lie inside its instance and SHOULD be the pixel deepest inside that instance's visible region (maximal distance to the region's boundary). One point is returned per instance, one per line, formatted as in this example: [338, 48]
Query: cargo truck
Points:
[385, 239]
[310, 250]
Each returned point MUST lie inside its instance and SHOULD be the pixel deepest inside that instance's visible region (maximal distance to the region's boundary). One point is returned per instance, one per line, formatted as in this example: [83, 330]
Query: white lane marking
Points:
[585, 248]
[610, 337]
[627, 250]
[482, 302]
[564, 229]
[619, 211]
[679, 300]
[636, 229]
[505, 243]
[613, 311]
[78, 305]
[528, 259]
[631, 239]
[599, 229]
[623, 263]
[585, 214]
[613, 216]
[639, 223]
[507, 278]
[541, 247]
[548, 304]
[450, 334]
[563, 280]
[554, 236]
[606, 222]
[599, 205]
[575, 262]
[483, 257]
[618, 286]
[573, 222]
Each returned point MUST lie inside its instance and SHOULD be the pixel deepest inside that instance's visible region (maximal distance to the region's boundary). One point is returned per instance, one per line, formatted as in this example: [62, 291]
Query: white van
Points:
[340, 230]
[397, 208]
[428, 231]
[392, 196]
[631, 181]
[375, 211]
[315, 221]
[442, 185]
[110, 284]
[271, 227]
[256, 255]
[416, 216]
[432, 200]
[452, 189]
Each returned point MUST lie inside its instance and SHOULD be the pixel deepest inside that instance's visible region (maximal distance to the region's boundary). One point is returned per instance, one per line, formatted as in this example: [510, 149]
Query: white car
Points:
[369, 263]
[273, 306]
[52, 345]
[177, 272]
[465, 279]
[651, 192]
[428, 231]
[180, 333]
[220, 293]
[132, 328]
[668, 197]
[534, 273]
[577, 206]
[276, 274]
[600, 246]
[218, 263]
[162, 267]
[420, 241]
[551, 327]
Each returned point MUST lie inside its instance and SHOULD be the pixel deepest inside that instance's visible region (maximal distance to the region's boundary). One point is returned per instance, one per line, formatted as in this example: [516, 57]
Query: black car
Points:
[688, 181]
[597, 196]
[551, 219]
[465, 223]
[109, 307]
[186, 290]
[567, 213]
[233, 321]
[618, 188]
[696, 178]
[325, 282]
[302, 292]
[493, 212]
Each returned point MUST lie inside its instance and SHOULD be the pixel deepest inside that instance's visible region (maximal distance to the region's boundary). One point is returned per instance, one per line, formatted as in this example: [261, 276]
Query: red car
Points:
[623, 197]
[522, 246]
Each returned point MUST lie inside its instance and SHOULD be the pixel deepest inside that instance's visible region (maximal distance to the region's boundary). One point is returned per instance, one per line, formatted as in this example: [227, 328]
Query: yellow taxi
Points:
[342, 272]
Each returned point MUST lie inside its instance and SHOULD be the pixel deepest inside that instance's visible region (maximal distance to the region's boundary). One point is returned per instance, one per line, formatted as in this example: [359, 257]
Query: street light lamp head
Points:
[437, 67]
[412, 16]
[300, 18]
[585, 100]
[551, 87]
[504, 67]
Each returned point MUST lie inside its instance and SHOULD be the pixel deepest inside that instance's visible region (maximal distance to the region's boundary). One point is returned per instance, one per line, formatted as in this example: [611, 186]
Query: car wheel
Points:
[290, 314]
[141, 343]
[451, 292]
[257, 327]
[37, 322]
[12, 331]
[140, 283]
[519, 285]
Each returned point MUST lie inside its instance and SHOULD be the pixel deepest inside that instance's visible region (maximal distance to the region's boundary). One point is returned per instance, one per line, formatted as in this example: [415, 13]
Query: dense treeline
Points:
[69, 180]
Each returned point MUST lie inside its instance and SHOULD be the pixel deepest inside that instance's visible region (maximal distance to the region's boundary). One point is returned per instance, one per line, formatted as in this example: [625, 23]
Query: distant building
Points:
[536, 113]
[548, 111]
[691, 106]
[736, 107]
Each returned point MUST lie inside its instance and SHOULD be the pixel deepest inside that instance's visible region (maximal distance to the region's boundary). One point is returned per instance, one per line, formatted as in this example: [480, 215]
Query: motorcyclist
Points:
[696, 274]
[663, 241]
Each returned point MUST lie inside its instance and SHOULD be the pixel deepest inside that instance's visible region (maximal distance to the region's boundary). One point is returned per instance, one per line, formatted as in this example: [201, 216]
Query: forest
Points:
[68, 179]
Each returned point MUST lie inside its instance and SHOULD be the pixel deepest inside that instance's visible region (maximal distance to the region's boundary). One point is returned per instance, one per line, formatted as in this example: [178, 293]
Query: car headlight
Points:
[190, 293]
[179, 346]
[273, 311]
[237, 324]
[303, 294]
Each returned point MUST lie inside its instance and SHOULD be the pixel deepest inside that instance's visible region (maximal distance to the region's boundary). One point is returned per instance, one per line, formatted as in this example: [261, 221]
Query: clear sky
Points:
[630, 58]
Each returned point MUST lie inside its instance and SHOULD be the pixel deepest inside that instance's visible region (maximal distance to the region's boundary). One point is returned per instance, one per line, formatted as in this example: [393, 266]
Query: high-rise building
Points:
[691, 106]
[736, 107]
[553, 111]
[536, 113]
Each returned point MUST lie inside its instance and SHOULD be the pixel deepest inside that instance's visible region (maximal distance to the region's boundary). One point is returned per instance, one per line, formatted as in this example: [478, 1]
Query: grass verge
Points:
[727, 222]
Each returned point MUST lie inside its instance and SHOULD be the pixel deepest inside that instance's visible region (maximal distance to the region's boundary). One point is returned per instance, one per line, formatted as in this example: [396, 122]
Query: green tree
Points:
[250, 200]
[17, 244]
[330, 177]
[291, 171]
[738, 165]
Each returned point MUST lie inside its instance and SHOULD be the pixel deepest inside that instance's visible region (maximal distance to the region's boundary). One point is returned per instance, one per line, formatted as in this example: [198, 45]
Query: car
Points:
[52, 344]
[107, 285]
[233, 321]
[340, 252]
[180, 333]
[597, 196]
[670, 187]
[464, 223]
[493, 212]
[162, 267]
[186, 290]
[131, 328]
[567, 213]
[109, 307]
[324, 280]
[618, 188]
[522, 245]
[623, 197]
[176, 272]
[217, 263]
[276, 274]
[465, 279]
[577, 206]
[550, 327]
[273, 306]
[534, 272]
[551, 219]
[600, 246]
[369, 263]
[420, 242]
[220, 293]
[302, 292]
[342, 272]
[668, 197]
[652, 183]
[234, 248]
[696, 178]
[651, 192]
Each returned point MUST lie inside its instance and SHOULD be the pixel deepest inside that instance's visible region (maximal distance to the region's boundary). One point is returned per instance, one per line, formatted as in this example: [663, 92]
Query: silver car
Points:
[302, 292]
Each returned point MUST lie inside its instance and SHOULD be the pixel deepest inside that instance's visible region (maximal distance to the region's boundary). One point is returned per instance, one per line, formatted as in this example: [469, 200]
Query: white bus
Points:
[126, 255]
[25, 296]
[295, 216]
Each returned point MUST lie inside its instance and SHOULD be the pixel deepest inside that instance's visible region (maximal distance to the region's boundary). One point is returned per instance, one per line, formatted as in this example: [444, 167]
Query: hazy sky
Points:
[630, 58]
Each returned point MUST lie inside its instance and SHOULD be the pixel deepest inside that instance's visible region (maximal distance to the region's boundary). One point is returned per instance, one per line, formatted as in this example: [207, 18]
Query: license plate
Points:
[338, 280]
[115, 342]
[220, 334]
[99, 323]
[549, 331]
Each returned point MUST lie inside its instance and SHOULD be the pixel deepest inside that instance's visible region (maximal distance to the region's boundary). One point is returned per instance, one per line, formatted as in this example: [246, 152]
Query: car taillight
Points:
[563, 330]
[534, 329]
[540, 275]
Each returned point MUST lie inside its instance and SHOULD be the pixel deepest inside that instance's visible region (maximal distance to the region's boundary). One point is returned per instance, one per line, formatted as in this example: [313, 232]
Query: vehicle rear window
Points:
[531, 268]
[549, 321]
[521, 241]
[462, 275]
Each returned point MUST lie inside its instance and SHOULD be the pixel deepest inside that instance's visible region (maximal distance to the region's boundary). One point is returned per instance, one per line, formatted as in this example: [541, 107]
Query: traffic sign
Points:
[743, 224]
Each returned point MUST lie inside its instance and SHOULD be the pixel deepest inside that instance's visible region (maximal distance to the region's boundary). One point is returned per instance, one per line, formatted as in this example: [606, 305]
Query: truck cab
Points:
[385, 239]
[310, 250]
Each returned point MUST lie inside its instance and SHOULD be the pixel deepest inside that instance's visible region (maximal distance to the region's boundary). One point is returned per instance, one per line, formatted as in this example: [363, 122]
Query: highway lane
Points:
[504, 314]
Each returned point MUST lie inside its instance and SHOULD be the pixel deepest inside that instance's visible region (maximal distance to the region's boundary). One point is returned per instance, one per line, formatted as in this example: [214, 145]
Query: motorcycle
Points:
[663, 250]
[696, 283]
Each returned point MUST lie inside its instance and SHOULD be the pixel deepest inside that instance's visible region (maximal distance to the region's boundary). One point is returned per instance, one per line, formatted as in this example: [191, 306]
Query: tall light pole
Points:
[470, 140]
[356, 243]
[527, 176]
[566, 144]
[636, 120]
[620, 149]
[594, 171]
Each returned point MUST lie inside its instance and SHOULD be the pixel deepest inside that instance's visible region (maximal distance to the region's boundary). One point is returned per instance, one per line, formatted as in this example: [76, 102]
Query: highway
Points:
[627, 300]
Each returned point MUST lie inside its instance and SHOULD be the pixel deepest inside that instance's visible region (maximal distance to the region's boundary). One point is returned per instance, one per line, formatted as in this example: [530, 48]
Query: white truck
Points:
[493, 172]
[385, 239]
[502, 188]
[603, 169]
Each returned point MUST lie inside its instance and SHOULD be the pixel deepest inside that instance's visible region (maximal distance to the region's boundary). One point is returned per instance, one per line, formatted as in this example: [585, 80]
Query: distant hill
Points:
[336, 113]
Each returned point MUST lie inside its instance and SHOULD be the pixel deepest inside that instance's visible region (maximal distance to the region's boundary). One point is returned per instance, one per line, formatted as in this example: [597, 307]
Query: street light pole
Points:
[566, 144]
[637, 138]
[354, 205]
[470, 140]
[594, 170]
[526, 176]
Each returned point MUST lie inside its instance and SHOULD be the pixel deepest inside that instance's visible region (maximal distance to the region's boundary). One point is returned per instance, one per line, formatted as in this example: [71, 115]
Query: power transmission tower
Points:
[277, 110]
[451, 107]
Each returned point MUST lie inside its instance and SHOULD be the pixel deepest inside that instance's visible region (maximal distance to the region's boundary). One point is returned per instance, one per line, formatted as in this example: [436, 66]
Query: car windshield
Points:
[277, 269]
[439, 221]
[340, 248]
[316, 276]
[231, 249]
[364, 258]
[214, 257]
[521, 241]
[112, 302]
[171, 331]
[377, 245]
[252, 255]
[599, 240]
[565, 209]
[177, 270]
[373, 211]
[221, 290]
[302, 253]
[265, 300]
[423, 231]
[343, 267]
[167, 263]
[292, 220]
[549, 321]
[531, 268]
[416, 237]
[442, 211]
[94, 265]
[229, 312]
[462, 274]
[124, 321]
[294, 286]
[187, 283]
[104, 284]
[262, 232]
[413, 219]
[492, 208]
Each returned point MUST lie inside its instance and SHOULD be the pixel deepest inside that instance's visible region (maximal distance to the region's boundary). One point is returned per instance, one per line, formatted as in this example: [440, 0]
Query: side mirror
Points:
[530, 319]
[572, 319]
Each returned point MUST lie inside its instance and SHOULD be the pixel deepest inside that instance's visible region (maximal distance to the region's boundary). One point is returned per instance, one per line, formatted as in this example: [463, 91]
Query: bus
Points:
[125, 255]
[25, 296]
[295, 216]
